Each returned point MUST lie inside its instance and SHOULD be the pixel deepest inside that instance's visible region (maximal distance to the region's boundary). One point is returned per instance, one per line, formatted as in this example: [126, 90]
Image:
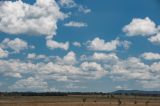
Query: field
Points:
[78, 100]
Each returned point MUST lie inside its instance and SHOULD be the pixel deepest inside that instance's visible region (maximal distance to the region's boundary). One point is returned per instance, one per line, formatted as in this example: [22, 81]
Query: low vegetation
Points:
[75, 99]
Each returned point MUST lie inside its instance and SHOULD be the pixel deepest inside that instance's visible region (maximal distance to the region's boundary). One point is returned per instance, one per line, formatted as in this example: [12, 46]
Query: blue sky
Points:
[79, 45]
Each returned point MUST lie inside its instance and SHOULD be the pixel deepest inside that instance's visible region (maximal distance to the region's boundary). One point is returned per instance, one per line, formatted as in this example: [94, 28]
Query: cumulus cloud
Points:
[155, 39]
[53, 69]
[84, 9]
[3, 53]
[73, 86]
[70, 58]
[155, 67]
[14, 68]
[68, 3]
[76, 44]
[75, 24]
[132, 68]
[126, 44]
[40, 18]
[35, 56]
[31, 56]
[16, 44]
[98, 44]
[73, 4]
[151, 84]
[104, 56]
[119, 87]
[142, 27]
[31, 84]
[93, 69]
[51, 44]
[70, 69]
[151, 56]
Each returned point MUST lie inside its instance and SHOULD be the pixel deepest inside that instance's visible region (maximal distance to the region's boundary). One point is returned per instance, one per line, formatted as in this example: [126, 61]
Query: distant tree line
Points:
[48, 93]
[75, 93]
[136, 93]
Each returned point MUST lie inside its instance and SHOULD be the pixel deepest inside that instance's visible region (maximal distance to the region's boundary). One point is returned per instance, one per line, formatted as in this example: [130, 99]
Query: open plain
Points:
[79, 100]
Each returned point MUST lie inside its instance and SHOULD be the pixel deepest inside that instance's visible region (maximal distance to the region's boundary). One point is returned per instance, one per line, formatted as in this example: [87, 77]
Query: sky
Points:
[79, 45]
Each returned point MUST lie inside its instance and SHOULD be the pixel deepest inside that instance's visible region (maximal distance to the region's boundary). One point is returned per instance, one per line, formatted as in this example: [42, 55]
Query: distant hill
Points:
[137, 92]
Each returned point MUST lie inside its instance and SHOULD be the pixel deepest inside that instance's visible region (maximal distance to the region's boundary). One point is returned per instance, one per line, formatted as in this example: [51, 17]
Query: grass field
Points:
[78, 101]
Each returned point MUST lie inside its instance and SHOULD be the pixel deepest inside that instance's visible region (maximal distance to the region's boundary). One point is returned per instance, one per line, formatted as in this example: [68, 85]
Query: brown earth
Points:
[78, 101]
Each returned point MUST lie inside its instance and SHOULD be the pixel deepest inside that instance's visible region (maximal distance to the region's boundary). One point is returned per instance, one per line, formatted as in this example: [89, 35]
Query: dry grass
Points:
[78, 101]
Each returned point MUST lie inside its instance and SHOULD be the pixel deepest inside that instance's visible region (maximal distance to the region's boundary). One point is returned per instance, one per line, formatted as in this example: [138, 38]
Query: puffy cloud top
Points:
[98, 44]
[70, 58]
[17, 17]
[3, 53]
[54, 44]
[151, 56]
[155, 39]
[138, 26]
[16, 45]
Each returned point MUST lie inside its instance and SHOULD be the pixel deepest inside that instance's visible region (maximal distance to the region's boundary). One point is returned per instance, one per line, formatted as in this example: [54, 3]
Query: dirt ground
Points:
[78, 101]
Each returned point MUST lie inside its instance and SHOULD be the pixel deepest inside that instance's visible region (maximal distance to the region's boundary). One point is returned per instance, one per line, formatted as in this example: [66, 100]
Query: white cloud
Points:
[84, 9]
[73, 86]
[132, 68]
[40, 18]
[35, 56]
[151, 84]
[151, 56]
[53, 69]
[3, 53]
[76, 44]
[155, 67]
[70, 58]
[94, 69]
[119, 87]
[73, 4]
[155, 39]
[75, 24]
[59, 69]
[31, 56]
[142, 27]
[60, 78]
[17, 68]
[68, 3]
[16, 45]
[14, 68]
[54, 45]
[30, 84]
[98, 44]
[104, 56]
[126, 44]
